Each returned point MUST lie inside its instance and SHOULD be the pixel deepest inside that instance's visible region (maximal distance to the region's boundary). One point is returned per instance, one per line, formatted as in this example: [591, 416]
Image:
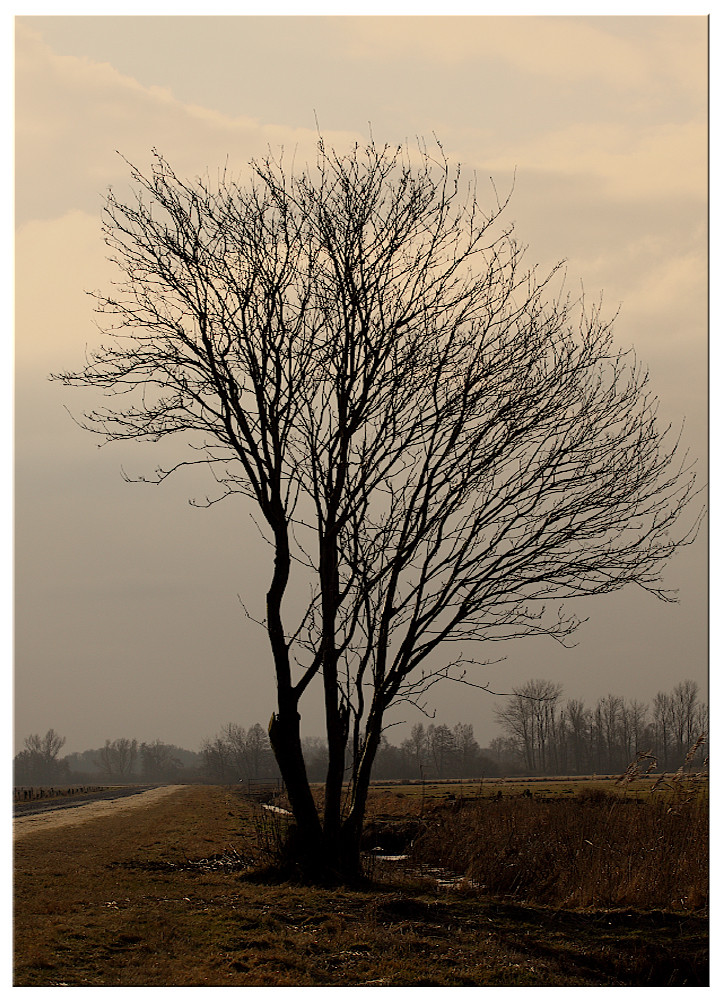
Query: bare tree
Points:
[505, 752]
[46, 747]
[39, 762]
[235, 737]
[417, 748]
[529, 717]
[249, 751]
[442, 749]
[467, 750]
[684, 701]
[633, 718]
[117, 759]
[258, 751]
[608, 713]
[158, 761]
[578, 724]
[437, 452]
[663, 728]
[218, 760]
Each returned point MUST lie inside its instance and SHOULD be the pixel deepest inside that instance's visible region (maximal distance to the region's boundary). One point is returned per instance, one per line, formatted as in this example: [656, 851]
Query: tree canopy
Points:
[441, 448]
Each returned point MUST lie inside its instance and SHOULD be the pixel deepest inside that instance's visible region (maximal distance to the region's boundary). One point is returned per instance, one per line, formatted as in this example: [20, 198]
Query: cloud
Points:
[658, 162]
[73, 114]
[562, 48]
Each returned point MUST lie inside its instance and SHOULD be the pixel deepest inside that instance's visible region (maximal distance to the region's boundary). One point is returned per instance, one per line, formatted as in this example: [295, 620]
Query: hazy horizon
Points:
[396, 734]
[128, 619]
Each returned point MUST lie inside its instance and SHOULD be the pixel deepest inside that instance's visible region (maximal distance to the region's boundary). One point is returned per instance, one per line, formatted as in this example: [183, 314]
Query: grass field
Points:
[171, 895]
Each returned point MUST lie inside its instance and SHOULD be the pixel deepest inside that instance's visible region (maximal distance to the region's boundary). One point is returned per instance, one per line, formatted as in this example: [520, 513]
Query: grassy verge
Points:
[127, 901]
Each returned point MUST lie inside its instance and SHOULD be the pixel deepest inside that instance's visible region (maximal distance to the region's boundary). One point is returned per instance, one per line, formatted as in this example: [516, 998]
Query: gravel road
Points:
[37, 816]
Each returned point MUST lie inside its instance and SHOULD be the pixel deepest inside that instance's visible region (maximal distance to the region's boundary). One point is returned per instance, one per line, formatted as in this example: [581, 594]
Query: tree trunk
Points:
[351, 840]
[336, 717]
[285, 739]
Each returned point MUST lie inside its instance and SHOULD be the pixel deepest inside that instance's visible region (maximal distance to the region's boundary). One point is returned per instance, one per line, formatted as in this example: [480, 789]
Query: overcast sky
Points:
[128, 621]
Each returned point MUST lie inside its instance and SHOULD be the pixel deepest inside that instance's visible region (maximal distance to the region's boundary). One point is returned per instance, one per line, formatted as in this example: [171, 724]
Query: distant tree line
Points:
[546, 735]
[435, 751]
[429, 752]
[119, 761]
[237, 754]
[543, 735]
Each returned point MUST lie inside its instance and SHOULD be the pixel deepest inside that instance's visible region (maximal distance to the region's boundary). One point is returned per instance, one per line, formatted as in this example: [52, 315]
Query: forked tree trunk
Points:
[329, 852]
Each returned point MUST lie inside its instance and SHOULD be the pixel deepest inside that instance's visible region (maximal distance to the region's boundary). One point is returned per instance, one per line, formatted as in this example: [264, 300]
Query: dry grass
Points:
[597, 849]
[124, 901]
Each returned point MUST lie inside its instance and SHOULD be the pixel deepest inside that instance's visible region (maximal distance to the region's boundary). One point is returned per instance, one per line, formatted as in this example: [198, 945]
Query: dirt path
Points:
[53, 819]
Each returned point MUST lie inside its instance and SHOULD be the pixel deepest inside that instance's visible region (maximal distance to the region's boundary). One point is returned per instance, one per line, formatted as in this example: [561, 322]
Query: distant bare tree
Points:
[117, 759]
[46, 747]
[578, 724]
[528, 716]
[442, 748]
[608, 713]
[684, 703]
[218, 762]
[249, 750]
[158, 761]
[258, 750]
[417, 749]
[467, 750]
[663, 729]
[235, 737]
[39, 763]
[435, 451]
[633, 716]
[505, 751]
